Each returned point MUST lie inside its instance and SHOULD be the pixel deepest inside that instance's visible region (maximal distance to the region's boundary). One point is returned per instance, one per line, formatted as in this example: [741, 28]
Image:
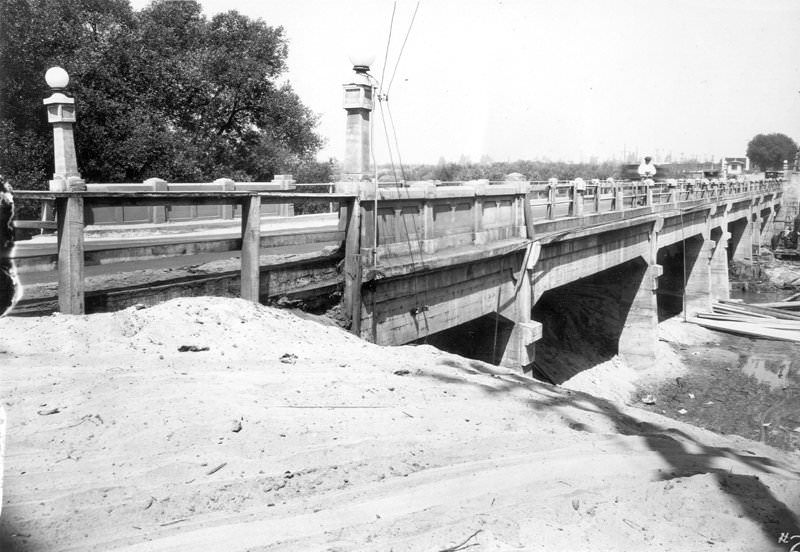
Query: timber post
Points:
[69, 219]
[251, 242]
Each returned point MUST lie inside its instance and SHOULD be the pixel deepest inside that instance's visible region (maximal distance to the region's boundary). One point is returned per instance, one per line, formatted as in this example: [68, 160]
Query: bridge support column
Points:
[744, 245]
[520, 336]
[698, 253]
[720, 285]
[639, 336]
[757, 224]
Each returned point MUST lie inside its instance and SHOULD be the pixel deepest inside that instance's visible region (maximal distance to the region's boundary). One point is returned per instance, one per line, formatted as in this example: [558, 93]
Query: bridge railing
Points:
[181, 212]
[426, 217]
[70, 208]
[420, 219]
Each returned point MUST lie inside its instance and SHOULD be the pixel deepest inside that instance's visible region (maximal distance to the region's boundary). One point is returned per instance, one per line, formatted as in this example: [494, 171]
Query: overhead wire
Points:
[386, 54]
[384, 97]
[400, 55]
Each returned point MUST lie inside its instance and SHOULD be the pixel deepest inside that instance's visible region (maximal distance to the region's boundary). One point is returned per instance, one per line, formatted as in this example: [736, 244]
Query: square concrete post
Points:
[159, 213]
[619, 198]
[578, 187]
[285, 183]
[227, 185]
[428, 230]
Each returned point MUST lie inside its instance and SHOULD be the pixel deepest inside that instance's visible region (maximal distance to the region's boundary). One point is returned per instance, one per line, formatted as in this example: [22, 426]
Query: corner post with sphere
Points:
[358, 103]
[69, 209]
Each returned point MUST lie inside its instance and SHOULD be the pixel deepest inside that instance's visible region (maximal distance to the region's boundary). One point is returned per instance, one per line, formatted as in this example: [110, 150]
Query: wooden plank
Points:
[38, 224]
[251, 241]
[748, 329]
[761, 322]
[734, 310]
[779, 304]
[777, 313]
[69, 218]
[793, 297]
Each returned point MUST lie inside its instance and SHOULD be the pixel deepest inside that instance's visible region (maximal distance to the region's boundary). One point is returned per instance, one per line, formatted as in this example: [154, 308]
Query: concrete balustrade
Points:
[425, 218]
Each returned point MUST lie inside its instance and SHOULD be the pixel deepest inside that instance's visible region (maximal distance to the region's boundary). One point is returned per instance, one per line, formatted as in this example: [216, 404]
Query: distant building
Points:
[733, 166]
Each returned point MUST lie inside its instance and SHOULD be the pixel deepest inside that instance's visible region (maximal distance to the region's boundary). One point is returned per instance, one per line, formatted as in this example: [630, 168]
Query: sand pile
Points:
[216, 424]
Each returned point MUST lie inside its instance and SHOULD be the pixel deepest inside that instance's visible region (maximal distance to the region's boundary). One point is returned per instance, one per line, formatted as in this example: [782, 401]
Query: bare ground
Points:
[287, 434]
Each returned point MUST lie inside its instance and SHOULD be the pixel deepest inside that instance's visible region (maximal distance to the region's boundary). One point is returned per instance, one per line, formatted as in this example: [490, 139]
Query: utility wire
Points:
[388, 42]
[397, 63]
[396, 143]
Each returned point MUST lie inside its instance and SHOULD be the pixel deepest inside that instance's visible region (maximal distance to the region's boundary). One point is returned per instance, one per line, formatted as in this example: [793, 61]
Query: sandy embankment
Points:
[289, 435]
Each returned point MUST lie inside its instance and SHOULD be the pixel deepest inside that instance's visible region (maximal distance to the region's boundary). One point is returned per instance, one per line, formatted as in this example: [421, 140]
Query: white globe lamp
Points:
[56, 78]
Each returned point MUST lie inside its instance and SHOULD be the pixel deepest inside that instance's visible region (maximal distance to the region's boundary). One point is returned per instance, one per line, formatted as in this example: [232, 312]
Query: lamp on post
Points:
[61, 114]
[358, 102]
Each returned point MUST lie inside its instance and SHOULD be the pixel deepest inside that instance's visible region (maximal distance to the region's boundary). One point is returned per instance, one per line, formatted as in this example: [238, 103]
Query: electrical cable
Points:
[388, 42]
[397, 63]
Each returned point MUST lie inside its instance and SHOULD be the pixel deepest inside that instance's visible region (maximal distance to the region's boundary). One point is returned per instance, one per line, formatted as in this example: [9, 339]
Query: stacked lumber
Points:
[777, 320]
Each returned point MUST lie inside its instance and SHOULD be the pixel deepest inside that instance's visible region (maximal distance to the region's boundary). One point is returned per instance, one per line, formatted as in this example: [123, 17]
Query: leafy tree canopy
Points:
[161, 92]
[768, 151]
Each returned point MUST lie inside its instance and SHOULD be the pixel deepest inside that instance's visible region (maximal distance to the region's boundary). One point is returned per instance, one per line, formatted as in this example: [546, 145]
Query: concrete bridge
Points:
[438, 258]
[498, 266]
[494, 261]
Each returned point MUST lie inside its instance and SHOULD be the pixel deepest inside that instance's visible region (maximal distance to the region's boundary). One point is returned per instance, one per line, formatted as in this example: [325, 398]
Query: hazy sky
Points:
[567, 79]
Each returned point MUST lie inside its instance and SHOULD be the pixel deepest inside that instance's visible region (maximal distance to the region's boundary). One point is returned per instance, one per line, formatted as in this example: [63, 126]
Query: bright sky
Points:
[568, 80]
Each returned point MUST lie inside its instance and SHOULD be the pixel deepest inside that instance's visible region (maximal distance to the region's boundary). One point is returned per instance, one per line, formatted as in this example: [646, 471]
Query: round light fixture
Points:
[362, 59]
[56, 78]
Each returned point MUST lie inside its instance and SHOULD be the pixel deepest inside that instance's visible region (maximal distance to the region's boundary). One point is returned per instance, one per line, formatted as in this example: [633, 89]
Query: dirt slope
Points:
[290, 435]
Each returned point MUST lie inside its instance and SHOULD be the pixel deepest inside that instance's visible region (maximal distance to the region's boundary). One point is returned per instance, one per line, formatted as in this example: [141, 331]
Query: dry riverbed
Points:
[217, 424]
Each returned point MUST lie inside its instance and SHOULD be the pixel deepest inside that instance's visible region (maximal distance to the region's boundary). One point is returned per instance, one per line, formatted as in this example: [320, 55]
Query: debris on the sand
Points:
[191, 349]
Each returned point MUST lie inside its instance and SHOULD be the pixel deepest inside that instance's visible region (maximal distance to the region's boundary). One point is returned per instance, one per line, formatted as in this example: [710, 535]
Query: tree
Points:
[768, 151]
[161, 92]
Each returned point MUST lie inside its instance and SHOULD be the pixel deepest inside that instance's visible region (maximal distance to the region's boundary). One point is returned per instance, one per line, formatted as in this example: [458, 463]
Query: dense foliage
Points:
[769, 151]
[161, 92]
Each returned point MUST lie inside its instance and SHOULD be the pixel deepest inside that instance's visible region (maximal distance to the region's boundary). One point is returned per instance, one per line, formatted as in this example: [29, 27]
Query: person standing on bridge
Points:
[646, 171]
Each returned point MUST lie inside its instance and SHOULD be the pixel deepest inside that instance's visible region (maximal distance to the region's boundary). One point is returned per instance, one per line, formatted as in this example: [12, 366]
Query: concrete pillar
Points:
[697, 270]
[520, 336]
[720, 285]
[639, 336]
[358, 103]
[61, 114]
[757, 225]
[744, 244]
